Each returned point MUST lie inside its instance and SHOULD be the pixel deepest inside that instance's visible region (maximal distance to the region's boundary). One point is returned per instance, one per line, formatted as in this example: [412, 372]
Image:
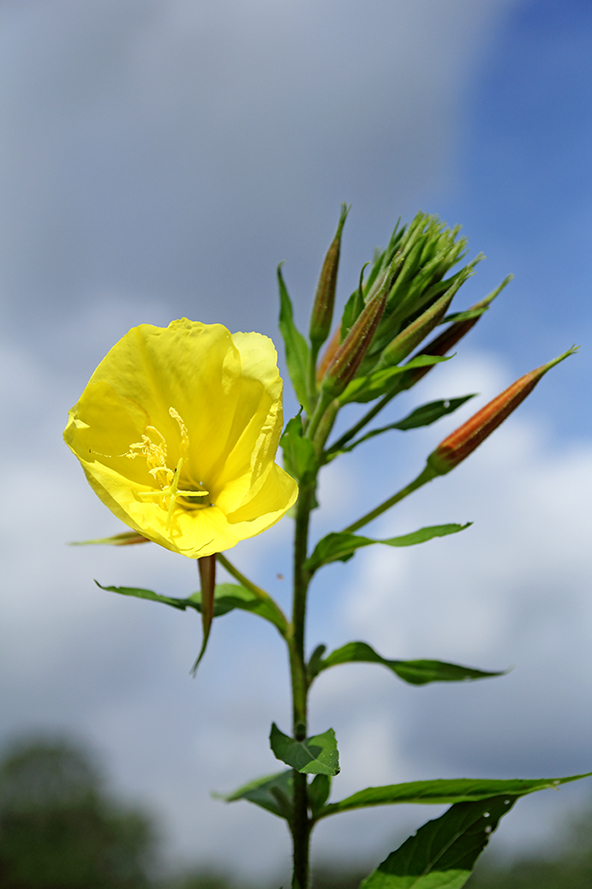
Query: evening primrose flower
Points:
[177, 432]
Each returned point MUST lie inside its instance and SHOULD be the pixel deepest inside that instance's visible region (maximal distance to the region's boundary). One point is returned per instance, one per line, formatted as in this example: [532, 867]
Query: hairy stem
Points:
[301, 825]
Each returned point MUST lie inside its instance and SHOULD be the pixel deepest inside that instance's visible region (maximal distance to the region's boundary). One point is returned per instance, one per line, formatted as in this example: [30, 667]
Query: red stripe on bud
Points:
[457, 446]
[350, 353]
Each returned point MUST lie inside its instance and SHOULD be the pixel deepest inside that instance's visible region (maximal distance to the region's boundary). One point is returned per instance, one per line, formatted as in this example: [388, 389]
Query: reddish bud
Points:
[449, 338]
[457, 446]
[350, 353]
[329, 354]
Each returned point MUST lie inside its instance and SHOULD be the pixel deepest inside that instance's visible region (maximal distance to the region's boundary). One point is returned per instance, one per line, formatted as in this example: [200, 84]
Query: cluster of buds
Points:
[403, 297]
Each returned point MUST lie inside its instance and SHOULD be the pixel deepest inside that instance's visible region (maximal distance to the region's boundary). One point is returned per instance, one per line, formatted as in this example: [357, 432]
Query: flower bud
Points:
[411, 336]
[450, 337]
[350, 353]
[322, 311]
[329, 354]
[457, 446]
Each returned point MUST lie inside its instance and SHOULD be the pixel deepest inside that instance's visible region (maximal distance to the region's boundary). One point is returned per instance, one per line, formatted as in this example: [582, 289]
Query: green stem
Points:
[260, 593]
[369, 415]
[301, 825]
[312, 373]
[426, 475]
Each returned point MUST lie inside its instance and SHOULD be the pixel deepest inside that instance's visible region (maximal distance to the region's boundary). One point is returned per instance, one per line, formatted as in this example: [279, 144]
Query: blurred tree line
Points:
[60, 829]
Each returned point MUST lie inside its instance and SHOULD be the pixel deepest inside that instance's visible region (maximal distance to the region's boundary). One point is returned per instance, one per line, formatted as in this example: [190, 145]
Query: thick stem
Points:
[300, 821]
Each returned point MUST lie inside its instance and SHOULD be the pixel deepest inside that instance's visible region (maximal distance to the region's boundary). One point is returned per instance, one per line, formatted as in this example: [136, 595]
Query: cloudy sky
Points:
[159, 158]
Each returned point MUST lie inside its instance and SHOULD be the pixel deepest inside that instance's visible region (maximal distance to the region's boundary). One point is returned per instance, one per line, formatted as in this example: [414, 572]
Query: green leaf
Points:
[314, 756]
[379, 382]
[445, 790]
[415, 672]
[318, 793]
[140, 593]
[300, 458]
[340, 546]
[421, 416]
[227, 597]
[274, 793]
[297, 351]
[428, 413]
[442, 853]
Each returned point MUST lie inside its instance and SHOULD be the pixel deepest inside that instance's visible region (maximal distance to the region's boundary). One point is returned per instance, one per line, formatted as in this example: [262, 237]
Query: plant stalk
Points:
[301, 825]
[426, 475]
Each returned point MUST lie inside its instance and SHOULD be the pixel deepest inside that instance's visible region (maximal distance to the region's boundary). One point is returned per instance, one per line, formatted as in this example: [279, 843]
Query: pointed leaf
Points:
[273, 792]
[415, 672]
[300, 458]
[442, 853]
[227, 597]
[341, 546]
[421, 416]
[297, 351]
[445, 790]
[140, 593]
[314, 756]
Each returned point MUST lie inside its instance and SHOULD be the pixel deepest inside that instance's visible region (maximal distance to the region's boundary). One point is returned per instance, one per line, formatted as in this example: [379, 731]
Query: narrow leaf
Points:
[313, 756]
[227, 597]
[297, 351]
[139, 593]
[379, 382]
[340, 546]
[274, 793]
[445, 790]
[442, 853]
[421, 416]
[415, 672]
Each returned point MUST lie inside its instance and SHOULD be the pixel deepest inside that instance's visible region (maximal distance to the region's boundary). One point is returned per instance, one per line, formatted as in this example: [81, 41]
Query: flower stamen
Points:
[166, 478]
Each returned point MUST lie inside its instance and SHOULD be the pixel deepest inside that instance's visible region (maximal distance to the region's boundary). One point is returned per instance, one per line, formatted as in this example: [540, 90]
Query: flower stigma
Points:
[168, 479]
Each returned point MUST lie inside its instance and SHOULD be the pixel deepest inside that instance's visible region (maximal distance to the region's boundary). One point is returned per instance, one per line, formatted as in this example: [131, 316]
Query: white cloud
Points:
[513, 589]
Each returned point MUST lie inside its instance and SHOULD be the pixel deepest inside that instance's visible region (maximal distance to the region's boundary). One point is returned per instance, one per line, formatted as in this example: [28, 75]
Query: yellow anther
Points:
[182, 429]
[167, 479]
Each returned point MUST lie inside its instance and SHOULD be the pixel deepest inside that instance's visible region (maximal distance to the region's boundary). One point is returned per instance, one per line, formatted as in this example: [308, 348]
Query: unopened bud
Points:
[408, 339]
[447, 340]
[350, 353]
[457, 446]
[329, 354]
[322, 311]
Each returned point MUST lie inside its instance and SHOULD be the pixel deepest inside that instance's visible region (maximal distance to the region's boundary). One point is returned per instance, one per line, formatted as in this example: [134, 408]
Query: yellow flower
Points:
[177, 432]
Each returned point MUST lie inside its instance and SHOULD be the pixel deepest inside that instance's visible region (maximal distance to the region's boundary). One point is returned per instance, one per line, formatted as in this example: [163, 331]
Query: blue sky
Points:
[159, 160]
